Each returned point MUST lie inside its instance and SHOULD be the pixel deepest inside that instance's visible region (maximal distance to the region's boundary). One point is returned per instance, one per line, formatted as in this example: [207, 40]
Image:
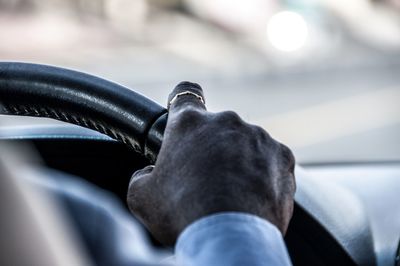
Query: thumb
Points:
[138, 189]
[141, 173]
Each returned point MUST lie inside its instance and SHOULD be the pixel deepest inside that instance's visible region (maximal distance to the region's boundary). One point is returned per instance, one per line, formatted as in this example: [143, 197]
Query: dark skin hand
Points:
[211, 163]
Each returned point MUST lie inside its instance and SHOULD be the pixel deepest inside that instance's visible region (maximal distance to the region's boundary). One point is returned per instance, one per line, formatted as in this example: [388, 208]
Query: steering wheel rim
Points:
[84, 100]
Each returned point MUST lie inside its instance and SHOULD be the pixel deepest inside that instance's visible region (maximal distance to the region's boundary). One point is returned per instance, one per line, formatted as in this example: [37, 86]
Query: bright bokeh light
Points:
[287, 31]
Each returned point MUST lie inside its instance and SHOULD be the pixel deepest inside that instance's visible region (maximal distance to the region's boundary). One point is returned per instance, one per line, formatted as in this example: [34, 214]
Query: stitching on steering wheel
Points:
[99, 126]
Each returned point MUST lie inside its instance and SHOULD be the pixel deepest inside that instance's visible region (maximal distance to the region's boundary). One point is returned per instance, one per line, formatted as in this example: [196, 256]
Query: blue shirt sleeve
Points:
[231, 239]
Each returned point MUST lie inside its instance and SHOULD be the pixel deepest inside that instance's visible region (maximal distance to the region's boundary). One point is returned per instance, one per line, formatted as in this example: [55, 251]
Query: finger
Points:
[186, 111]
[186, 94]
[141, 173]
[138, 187]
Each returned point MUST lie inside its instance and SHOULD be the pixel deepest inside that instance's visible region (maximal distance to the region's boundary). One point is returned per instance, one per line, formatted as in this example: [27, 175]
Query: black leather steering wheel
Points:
[84, 100]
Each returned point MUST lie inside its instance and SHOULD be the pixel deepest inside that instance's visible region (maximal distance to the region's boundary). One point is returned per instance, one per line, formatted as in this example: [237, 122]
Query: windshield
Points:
[321, 76]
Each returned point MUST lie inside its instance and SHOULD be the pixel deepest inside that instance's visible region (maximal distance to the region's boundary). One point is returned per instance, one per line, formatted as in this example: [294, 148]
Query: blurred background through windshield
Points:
[322, 76]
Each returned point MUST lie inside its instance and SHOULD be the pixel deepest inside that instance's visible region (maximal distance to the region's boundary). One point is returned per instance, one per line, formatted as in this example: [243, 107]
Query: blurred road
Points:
[342, 104]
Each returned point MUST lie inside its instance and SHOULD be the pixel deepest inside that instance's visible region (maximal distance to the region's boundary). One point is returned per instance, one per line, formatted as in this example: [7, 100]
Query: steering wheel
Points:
[84, 100]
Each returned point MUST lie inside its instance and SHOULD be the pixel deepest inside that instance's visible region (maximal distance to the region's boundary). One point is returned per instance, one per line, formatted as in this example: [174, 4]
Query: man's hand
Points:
[210, 163]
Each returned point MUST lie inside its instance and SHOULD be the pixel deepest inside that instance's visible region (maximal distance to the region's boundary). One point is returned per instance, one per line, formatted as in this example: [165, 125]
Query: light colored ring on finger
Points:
[186, 93]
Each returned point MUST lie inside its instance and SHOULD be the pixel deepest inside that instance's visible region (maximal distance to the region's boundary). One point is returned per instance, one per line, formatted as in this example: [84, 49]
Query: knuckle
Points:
[189, 113]
[229, 117]
[288, 157]
[264, 137]
[287, 152]
[261, 132]
[187, 117]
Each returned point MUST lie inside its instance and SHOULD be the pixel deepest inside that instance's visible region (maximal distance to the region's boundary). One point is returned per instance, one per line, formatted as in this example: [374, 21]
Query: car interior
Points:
[345, 213]
[321, 77]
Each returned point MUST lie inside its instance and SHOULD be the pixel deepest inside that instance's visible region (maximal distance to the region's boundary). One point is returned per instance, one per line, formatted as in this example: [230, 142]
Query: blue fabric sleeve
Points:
[231, 239]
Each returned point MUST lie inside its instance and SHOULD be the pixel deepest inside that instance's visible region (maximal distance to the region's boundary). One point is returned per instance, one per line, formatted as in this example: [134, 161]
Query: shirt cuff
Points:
[231, 238]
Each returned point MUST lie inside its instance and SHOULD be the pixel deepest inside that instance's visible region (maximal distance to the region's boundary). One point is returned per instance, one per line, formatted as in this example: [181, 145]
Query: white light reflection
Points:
[287, 31]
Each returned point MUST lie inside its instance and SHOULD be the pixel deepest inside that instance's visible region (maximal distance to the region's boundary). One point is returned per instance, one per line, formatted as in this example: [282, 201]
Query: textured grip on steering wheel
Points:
[84, 100]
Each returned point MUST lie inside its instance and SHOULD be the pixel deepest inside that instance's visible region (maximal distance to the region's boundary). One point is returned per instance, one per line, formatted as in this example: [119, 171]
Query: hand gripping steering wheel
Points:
[124, 115]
